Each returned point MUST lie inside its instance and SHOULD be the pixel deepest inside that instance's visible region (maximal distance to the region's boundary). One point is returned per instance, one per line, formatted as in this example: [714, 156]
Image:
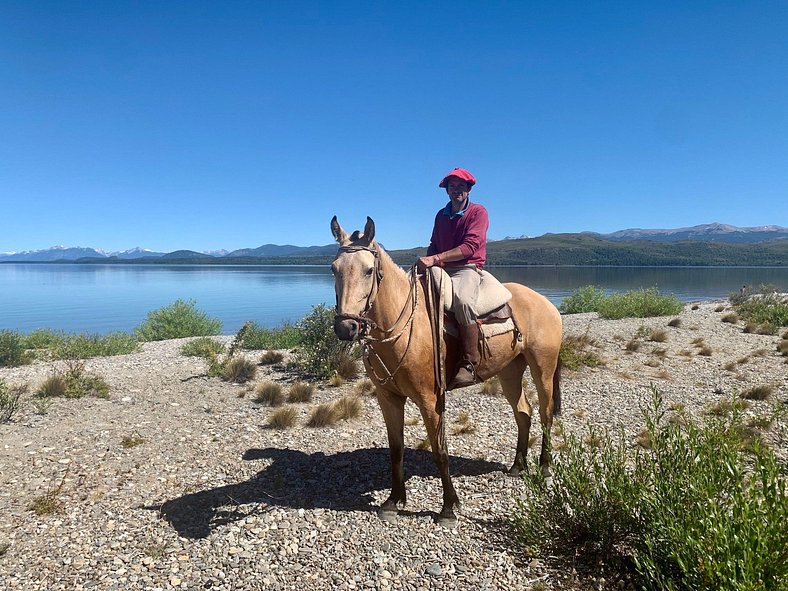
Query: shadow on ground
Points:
[343, 481]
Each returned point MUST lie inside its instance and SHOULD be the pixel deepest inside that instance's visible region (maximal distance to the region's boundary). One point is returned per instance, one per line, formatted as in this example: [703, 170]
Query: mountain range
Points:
[715, 233]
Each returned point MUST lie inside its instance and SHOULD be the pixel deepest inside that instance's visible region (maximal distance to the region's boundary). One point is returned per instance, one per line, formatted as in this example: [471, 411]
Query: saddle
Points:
[492, 306]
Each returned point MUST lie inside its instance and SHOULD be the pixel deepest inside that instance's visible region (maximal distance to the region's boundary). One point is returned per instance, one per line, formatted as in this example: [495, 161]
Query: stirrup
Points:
[466, 376]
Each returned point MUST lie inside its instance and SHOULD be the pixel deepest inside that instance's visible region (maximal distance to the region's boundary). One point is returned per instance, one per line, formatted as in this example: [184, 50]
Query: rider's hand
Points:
[428, 261]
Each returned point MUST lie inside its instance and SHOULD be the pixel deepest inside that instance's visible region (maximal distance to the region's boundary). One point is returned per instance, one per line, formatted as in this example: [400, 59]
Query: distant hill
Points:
[709, 244]
[706, 232]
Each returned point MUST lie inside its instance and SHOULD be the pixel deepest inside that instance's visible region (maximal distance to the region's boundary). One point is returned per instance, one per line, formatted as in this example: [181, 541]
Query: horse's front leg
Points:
[393, 408]
[433, 418]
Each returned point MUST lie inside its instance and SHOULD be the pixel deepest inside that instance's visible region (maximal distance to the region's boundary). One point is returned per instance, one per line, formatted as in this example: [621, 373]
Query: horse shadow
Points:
[343, 481]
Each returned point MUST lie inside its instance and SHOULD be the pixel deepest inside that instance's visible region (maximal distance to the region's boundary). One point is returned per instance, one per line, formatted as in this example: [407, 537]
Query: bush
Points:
[282, 418]
[285, 337]
[12, 349]
[238, 370]
[179, 319]
[348, 407]
[271, 358]
[695, 511]
[9, 400]
[642, 303]
[320, 350]
[585, 299]
[323, 415]
[202, 347]
[769, 309]
[269, 394]
[300, 392]
[576, 353]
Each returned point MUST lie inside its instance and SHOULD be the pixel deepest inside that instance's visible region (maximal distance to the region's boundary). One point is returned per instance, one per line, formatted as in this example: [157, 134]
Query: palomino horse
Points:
[380, 304]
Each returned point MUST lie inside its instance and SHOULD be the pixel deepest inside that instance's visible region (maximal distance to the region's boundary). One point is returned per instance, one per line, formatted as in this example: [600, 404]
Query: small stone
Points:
[435, 570]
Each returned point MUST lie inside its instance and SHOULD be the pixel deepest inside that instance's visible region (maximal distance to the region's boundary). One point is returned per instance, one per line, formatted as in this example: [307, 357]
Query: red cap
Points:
[461, 174]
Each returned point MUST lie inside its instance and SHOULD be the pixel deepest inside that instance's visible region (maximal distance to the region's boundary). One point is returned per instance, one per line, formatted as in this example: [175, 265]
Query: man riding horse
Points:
[458, 244]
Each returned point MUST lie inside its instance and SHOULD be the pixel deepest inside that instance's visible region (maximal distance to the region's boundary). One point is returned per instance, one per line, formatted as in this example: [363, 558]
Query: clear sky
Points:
[208, 125]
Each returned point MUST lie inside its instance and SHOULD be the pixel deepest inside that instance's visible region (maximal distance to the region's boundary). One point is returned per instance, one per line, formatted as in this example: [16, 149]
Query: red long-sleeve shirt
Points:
[466, 229]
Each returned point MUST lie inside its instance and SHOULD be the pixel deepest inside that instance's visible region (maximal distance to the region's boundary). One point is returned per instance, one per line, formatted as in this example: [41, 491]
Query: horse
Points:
[380, 304]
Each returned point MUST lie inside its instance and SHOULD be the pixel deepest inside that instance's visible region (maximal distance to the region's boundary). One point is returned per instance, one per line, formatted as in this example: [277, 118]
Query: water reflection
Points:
[105, 298]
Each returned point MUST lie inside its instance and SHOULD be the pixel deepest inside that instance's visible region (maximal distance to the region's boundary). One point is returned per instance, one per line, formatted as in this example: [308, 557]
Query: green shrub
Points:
[9, 400]
[12, 349]
[695, 511]
[319, 350]
[286, 336]
[769, 309]
[62, 345]
[642, 303]
[179, 319]
[585, 299]
[576, 352]
[202, 347]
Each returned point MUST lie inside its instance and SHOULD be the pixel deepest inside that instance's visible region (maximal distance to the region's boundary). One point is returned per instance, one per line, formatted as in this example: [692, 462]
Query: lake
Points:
[106, 298]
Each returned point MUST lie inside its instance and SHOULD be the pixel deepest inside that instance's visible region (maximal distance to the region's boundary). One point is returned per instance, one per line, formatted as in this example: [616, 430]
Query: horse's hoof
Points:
[387, 515]
[514, 472]
[447, 521]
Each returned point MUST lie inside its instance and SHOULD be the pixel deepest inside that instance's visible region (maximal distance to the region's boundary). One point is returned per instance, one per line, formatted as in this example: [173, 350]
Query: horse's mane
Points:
[384, 256]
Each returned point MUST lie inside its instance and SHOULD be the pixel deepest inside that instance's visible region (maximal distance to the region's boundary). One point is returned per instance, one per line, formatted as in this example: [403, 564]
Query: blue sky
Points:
[207, 125]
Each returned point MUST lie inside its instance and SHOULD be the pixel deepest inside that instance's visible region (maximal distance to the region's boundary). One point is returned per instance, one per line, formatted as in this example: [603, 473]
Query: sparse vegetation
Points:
[675, 323]
[491, 387]
[50, 344]
[576, 352]
[286, 336]
[761, 392]
[130, 441]
[763, 307]
[282, 418]
[12, 349]
[346, 366]
[271, 358]
[633, 345]
[179, 319]
[319, 350]
[73, 382]
[9, 400]
[705, 351]
[202, 347]
[49, 503]
[731, 318]
[239, 370]
[684, 511]
[348, 407]
[300, 392]
[658, 335]
[642, 303]
[364, 387]
[269, 394]
[585, 299]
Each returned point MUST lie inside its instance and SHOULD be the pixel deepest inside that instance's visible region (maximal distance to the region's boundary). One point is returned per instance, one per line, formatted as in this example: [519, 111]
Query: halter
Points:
[366, 323]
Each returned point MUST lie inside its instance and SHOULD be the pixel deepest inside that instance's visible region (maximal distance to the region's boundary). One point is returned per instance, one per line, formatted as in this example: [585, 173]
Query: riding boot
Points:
[466, 374]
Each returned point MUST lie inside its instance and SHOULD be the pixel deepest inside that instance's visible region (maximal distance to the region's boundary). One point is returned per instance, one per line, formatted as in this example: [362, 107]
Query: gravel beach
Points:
[213, 499]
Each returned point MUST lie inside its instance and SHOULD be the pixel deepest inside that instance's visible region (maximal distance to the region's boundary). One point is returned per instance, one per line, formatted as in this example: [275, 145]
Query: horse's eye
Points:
[369, 272]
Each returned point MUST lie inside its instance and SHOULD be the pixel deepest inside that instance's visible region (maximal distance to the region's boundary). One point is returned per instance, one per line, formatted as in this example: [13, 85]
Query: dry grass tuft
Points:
[686, 353]
[239, 370]
[282, 418]
[698, 341]
[676, 406]
[743, 360]
[759, 352]
[706, 351]
[730, 366]
[533, 440]
[659, 352]
[492, 387]
[731, 318]
[766, 329]
[348, 407]
[664, 375]
[658, 335]
[720, 308]
[758, 392]
[750, 328]
[424, 444]
[364, 387]
[411, 421]
[644, 439]
[336, 380]
[54, 386]
[269, 394]
[694, 307]
[300, 392]
[652, 363]
[782, 347]
[347, 366]
[271, 358]
[723, 407]
[580, 413]
[675, 323]
[633, 345]
[323, 415]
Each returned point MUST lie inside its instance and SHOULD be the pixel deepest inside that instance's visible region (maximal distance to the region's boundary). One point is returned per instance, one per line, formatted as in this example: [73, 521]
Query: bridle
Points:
[367, 324]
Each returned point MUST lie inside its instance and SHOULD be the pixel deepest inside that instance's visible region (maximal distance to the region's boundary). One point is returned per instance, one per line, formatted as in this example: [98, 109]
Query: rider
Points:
[458, 244]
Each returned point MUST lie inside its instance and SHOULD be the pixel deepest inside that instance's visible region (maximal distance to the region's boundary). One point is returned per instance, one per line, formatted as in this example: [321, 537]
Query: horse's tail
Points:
[557, 388]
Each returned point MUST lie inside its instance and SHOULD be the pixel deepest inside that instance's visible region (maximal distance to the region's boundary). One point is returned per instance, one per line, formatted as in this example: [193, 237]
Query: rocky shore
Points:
[210, 498]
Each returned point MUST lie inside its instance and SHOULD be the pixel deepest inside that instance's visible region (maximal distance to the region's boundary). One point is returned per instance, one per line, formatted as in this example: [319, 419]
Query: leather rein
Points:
[367, 324]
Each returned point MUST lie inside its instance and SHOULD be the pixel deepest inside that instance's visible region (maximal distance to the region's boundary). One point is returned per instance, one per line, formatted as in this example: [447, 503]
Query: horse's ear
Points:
[339, 234]
[369, 231]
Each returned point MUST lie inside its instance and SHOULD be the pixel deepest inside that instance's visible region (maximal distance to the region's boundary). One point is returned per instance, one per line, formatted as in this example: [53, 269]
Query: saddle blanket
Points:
[488, 330]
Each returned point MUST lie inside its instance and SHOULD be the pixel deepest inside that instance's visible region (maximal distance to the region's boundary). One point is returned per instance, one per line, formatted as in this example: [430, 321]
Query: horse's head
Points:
[356, 270]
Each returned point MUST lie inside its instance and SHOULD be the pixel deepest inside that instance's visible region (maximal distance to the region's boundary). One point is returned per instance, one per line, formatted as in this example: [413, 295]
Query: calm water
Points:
[106, 298]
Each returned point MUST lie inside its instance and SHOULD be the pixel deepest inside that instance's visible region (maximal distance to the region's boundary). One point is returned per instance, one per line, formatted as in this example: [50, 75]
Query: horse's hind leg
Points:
[393, 408]
[436, 433]
[543, 368]
[511, 378]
